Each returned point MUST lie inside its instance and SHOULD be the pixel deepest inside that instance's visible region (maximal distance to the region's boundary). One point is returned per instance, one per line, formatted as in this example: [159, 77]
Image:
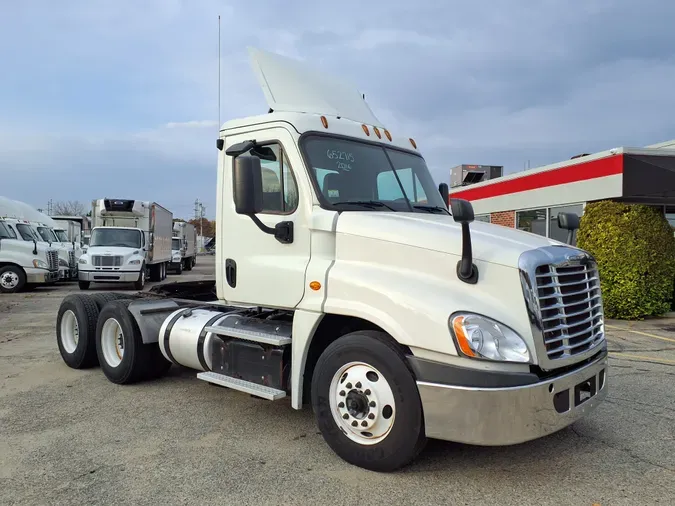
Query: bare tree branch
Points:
[69, 208]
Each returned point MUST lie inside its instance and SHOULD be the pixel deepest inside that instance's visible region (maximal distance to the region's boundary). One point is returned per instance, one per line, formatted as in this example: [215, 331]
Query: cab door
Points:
[254, 267]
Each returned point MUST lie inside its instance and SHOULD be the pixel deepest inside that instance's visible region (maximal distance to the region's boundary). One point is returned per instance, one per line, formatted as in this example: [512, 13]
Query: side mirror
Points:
[569, 222]
[248, 194]
[462, 210]
[445, 193]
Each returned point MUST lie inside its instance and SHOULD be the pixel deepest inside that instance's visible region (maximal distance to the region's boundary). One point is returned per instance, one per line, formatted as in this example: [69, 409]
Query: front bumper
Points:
[41, 276]
[109, 276]
[513, 414]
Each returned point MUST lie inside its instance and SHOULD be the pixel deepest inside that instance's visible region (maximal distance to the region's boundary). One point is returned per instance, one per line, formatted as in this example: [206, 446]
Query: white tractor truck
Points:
[130, 243]
[25, 264]
[183, 247]
[345, 282]
[30, 231]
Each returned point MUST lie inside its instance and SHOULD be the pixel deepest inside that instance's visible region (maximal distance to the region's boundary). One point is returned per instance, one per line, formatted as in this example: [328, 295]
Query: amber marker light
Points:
[386, 132]
[315, 285]
[377, 132]
[414, 145]
[324, 121]
[460, 334]
[365, 129]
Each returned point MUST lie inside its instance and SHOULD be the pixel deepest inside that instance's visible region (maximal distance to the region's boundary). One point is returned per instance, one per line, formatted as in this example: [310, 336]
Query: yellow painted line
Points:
[642, 357]
[654, 336]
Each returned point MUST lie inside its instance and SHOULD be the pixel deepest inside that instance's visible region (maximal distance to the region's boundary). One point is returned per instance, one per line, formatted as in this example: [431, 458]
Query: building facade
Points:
[531, 200]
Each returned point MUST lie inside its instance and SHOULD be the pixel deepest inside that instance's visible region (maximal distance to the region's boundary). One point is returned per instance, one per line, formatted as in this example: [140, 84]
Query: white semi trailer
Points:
[183, 246]
[24, 264]
[130, 242]
[345, 282]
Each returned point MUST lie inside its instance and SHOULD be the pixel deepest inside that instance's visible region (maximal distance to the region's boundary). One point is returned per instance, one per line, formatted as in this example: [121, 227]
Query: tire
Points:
[102, 298]
[123, 357]
[12, 279]
[188, 264]
[84, 285]
[179, 269]
[400, 440]
[140, 283]
[76, 331]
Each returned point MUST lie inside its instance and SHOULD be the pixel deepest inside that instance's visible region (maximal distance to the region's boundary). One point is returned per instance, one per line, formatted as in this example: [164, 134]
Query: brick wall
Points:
[505, 218]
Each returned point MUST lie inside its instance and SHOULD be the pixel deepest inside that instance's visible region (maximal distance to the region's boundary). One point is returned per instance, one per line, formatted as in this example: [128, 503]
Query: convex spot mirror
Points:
[248, 194]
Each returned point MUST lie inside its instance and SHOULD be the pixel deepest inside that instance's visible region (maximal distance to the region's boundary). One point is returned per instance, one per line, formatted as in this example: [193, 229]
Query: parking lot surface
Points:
[72, 437]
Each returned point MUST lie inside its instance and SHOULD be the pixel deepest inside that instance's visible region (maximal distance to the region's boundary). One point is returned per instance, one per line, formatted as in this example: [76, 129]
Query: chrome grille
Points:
[106, 261]
[562, 292]
[571, 308]
[71, 259]
[53, 260]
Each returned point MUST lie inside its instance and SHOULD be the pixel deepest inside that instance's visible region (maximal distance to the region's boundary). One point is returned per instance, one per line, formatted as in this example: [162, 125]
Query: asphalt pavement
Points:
[72, 437]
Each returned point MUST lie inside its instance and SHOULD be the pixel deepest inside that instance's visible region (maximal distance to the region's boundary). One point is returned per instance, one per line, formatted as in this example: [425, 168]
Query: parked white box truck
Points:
[183, 246]
[343, 281]
[25, 263]
[130, 242]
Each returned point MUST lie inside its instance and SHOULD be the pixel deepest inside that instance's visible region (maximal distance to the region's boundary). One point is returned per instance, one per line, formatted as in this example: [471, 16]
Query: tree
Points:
[208, 227]
[69, 208]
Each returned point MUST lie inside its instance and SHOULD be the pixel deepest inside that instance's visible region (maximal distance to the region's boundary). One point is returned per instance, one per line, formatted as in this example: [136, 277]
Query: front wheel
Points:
[12, 279]
[84, 285]
[140, 283]
[366, 402]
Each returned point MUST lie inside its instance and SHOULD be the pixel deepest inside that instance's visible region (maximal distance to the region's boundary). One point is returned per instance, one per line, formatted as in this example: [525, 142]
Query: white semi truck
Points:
[345, 282]
[183, 246]
[25, 264]
[130, 242]
[29, 231]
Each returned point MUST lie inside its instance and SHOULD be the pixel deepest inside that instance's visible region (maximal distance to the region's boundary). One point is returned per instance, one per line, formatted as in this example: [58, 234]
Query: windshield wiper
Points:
[366, 203]
[432, 209]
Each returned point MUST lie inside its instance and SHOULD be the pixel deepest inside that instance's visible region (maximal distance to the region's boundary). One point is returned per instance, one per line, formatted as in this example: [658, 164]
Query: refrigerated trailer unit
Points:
[343, 281]
[130, 242]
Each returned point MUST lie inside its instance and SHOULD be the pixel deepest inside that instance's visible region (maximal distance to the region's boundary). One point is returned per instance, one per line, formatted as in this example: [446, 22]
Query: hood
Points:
[113, 250]
[490, 243]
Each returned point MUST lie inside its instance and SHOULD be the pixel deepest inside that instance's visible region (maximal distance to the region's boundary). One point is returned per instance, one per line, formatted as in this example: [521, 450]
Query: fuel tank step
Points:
[271, 394]
[250, 335]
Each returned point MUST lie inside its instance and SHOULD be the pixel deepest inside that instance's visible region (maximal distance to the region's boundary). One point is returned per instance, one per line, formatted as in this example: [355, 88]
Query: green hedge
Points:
[635, 250]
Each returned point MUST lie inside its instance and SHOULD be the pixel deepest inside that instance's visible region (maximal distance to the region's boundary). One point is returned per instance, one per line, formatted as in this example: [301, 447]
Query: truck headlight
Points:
[134, 262]
[481, 337]
[82, 260]
[40, 264]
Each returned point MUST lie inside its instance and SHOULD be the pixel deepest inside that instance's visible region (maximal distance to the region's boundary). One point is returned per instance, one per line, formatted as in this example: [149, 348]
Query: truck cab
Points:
[24, 263]
[33, 231]
[345, 280]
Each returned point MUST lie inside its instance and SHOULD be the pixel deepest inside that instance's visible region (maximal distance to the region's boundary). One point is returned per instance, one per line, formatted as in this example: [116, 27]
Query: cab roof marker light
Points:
[324, 121]
[414, 144]
[386, 132]
[365, 129]
[377, 132]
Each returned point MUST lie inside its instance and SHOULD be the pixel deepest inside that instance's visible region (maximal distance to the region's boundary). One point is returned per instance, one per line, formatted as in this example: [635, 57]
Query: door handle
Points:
[231, 272]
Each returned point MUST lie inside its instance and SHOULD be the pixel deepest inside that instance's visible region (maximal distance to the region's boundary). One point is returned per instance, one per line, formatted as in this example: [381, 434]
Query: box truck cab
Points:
[344, 281]
[130, 243]
[24, 263]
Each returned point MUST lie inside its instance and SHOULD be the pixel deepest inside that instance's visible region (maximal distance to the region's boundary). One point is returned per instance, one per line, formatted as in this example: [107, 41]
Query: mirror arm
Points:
[466, 269]
[282, 231]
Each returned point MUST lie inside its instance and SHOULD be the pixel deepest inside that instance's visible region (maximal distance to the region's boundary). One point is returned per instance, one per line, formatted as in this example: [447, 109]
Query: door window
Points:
[280, 190]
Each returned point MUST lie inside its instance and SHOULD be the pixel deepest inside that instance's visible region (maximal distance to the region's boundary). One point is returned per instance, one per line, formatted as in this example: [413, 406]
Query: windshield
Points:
[61, 235]
[175, 244]
[351, 171]
[27, 233]
[47, 234]
[116, 237]
[6, 232]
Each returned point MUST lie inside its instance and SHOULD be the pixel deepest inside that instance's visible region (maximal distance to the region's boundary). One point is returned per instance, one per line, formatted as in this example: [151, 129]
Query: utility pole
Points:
[50, 207]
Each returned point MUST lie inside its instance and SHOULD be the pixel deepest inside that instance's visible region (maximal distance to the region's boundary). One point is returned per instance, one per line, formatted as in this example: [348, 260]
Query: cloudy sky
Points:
[119, 98]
